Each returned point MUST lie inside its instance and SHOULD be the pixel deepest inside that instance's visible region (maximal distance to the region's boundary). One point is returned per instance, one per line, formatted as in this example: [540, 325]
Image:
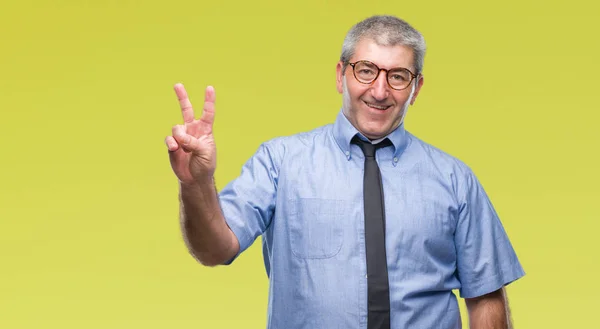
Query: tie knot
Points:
[368, 148]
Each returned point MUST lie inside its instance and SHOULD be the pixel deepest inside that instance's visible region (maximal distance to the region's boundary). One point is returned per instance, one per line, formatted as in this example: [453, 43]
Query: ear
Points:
[339, 77]
[420, 81]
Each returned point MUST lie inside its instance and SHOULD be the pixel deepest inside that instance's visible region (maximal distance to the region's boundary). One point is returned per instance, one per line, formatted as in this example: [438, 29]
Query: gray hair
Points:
[385, 31]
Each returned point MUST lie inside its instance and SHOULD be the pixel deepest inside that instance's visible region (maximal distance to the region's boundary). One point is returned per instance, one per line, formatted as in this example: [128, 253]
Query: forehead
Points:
[383, 56]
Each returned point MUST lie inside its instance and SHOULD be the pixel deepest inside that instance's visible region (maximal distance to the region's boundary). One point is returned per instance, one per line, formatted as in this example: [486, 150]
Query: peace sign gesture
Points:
[191, 148]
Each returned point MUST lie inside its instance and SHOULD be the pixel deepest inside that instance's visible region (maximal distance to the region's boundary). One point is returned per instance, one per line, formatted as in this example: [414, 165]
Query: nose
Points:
[380, 89]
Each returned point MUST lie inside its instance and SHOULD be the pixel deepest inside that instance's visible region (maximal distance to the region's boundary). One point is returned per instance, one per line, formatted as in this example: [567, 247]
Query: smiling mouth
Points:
[377, 107]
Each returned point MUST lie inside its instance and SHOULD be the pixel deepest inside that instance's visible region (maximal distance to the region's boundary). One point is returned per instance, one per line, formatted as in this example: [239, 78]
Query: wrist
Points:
[198, 183]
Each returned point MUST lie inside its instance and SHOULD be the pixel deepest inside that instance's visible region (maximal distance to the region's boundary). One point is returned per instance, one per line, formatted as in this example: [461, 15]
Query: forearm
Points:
[489, 312]
[204, 229]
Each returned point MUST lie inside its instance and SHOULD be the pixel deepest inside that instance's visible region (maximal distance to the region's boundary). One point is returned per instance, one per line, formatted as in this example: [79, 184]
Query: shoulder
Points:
[450, 167]
[306, 138]
[438, 157]
[281, 146]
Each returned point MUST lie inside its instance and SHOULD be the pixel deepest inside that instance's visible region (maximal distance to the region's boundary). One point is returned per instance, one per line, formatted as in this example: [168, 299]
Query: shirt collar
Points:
[344, 131]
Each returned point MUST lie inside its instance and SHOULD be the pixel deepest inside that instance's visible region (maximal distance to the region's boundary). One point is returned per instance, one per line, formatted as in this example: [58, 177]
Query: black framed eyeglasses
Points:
[366, 72]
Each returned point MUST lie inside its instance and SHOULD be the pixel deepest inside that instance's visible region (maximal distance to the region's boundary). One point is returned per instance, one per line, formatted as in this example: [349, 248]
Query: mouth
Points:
[377, 107]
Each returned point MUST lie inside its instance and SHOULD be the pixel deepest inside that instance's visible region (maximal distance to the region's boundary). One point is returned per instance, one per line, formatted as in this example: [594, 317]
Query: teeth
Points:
[377, 106]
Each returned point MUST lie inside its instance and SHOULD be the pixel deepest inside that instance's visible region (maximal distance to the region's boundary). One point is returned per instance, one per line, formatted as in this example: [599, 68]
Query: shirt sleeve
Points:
[248, 202]
[486, 260]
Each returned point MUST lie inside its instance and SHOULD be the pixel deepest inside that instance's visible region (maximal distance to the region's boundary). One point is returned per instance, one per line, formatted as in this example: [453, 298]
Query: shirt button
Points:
[395, 159]
[366, 276]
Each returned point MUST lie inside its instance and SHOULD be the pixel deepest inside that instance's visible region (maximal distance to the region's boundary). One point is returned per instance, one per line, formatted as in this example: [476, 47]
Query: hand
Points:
[191, 148]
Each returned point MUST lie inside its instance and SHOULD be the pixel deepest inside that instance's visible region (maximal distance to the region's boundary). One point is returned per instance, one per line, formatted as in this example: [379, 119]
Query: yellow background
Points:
[89, 235]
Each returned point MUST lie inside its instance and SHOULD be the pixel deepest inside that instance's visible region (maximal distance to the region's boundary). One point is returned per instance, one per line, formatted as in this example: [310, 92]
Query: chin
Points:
[374, 132]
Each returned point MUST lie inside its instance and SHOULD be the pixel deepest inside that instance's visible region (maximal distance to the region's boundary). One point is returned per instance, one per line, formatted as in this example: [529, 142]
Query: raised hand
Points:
[192, 150]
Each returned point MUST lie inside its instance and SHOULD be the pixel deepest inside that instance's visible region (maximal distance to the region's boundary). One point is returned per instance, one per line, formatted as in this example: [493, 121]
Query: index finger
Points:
[184, 102]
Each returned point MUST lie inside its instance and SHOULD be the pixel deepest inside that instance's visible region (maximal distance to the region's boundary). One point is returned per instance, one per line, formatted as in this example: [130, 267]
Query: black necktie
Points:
[377, 275]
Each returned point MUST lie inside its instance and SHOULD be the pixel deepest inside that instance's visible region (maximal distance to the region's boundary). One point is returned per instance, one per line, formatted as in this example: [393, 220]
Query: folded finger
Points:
[171, 144]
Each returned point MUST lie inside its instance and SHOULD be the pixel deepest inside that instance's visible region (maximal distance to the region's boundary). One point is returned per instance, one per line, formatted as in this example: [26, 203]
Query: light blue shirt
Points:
[304, 195]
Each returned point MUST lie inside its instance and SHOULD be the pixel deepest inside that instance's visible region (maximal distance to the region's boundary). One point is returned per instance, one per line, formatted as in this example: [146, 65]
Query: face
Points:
[376, 109]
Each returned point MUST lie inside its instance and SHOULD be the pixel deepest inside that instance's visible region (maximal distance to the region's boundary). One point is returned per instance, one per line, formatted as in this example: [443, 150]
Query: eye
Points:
[398, 77]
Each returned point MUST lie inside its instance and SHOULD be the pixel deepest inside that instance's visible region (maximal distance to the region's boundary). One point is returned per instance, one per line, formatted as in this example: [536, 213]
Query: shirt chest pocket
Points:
[316, 227]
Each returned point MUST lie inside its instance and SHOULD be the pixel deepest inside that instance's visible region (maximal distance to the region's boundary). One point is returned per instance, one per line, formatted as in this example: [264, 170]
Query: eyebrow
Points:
[379, 66]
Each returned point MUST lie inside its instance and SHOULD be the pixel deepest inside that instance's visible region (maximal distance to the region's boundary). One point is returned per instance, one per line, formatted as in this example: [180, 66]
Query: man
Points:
[364, 225]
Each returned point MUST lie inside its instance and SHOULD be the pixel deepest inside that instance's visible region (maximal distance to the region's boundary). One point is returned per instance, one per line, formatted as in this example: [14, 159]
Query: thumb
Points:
[187, 142]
